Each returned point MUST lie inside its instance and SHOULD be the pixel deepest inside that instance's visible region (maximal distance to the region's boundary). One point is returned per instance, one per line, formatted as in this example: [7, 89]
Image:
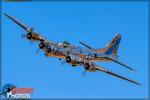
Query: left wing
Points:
[116, 75]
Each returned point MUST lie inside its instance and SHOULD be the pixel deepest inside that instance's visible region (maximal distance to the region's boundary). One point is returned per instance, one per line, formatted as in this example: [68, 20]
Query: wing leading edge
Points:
[116, 75]
[18, 23]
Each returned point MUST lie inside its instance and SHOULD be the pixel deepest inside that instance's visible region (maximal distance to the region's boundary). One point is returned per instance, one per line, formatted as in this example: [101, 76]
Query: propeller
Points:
[42, 45]
[84, 73]
[29, 34]
[31, 30]
[68, 59]
[37, 51]
[63, 63]
[23, 36]
[87, 65]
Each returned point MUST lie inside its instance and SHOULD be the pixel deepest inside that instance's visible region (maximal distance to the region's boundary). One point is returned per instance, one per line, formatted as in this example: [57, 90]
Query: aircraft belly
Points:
[56, 55]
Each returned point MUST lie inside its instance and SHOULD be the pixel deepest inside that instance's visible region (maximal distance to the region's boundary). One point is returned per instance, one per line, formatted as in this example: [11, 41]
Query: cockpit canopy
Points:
[64, 44]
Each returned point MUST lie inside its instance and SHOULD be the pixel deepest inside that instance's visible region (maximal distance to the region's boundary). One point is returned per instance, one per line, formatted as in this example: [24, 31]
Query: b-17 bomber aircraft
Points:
[75, 55]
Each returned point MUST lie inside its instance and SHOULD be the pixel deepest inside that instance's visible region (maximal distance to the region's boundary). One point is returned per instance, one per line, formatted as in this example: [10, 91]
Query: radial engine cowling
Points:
[87, 65]
[29, 36]
[73, 59]
[41, 45]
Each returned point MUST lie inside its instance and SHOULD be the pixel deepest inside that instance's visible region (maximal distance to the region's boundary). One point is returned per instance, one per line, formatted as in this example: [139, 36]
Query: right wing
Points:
[18, 23]
[34, 34]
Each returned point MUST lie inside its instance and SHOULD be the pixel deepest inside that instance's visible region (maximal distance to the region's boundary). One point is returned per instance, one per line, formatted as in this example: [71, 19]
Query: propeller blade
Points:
[37, 51]
[63, 63]
[31, 42]
[84, 73]
[23, 36]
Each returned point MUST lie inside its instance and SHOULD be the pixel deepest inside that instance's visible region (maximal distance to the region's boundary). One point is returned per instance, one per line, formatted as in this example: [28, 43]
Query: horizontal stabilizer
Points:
[85, 45]
[120, 63]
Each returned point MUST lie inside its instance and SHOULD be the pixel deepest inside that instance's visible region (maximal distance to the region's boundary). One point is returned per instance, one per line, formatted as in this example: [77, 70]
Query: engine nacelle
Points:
[53, 50]
[30, 33]
[48, 49]
[87, 65]
[29, 36]
[41, 45]
[68, 59]
[73, 59]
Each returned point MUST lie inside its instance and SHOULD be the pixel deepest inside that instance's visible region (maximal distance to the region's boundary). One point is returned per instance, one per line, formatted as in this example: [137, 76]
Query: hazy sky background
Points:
[95, 23]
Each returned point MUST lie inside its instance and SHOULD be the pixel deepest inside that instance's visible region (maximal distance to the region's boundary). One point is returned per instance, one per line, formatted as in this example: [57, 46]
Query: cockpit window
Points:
[60, 44]
[66, 43]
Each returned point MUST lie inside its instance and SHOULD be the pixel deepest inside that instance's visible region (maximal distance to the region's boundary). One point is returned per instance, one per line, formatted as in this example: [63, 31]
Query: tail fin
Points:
[112, 47]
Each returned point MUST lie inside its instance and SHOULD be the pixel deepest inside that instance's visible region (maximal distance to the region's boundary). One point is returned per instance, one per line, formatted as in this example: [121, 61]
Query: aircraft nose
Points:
[118, 35]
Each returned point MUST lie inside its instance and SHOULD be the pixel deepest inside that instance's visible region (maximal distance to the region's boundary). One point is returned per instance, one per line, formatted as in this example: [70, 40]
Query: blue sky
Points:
[95, 23]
